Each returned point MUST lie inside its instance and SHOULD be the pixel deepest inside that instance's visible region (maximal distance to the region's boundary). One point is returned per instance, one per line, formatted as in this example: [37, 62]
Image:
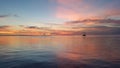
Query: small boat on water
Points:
[84, 34]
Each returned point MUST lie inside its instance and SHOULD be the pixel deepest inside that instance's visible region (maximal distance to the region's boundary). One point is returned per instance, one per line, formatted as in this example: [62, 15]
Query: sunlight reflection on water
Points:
[59, 52]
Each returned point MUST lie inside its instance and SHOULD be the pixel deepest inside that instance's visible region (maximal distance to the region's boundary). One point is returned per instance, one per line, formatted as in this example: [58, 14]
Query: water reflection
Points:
[59, 52]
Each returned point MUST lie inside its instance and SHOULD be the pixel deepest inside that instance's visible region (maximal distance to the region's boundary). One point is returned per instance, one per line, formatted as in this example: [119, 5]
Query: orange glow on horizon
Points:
[5, 32]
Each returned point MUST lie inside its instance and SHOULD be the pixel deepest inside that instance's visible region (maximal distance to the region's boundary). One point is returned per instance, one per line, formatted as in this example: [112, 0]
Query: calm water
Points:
[59, 52]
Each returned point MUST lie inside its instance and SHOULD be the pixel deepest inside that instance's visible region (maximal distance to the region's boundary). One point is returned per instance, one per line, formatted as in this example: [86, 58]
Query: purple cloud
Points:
[95, 21]
[3, 16]
[4, 27]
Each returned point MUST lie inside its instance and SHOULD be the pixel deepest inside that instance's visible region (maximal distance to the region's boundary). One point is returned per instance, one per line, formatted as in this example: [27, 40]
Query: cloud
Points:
[104, 31]
[76, 30]
[74, 9]
[112, 13]
[95, 21]
[98, 30]
[5, 27]
[65, 13]
[71, 9]
[28, 29]
[85, 9]
[95, 26]
[100, 23]
[38, 28]
[32, 27]
[68, 9]
[16, 15]
[4, 16]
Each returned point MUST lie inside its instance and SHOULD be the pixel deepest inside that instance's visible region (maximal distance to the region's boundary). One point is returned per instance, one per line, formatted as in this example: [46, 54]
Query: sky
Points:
[59, 17]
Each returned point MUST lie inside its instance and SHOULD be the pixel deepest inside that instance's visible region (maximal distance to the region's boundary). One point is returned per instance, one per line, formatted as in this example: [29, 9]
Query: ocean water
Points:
[59, 52]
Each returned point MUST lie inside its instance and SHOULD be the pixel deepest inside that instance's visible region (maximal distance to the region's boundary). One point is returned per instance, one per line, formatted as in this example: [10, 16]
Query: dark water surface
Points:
[59, 52]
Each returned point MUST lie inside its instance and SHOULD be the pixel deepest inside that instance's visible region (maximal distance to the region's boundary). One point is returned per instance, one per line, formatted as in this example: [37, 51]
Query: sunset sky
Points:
[62, 17]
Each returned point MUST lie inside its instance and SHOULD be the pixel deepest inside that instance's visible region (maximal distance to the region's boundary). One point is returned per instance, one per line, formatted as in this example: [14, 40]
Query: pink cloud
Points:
[67, 14]
[112, 12]
[81, 9]
[65, 9]
[74, 10]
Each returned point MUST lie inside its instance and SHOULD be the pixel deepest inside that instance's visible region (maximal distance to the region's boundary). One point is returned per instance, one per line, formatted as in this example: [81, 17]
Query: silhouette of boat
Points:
[84, 34]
